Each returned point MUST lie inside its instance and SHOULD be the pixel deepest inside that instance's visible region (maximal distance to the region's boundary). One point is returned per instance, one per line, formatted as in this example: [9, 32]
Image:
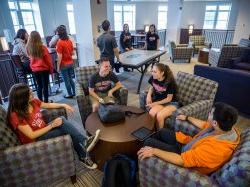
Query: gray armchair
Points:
[180, 52]
[156, 172]
[198, 42]
[195, 94]
[38, 163]
[83, 99]
[221, 57]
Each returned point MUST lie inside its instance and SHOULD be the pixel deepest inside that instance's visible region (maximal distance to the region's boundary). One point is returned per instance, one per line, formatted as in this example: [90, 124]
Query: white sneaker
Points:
[92, 140]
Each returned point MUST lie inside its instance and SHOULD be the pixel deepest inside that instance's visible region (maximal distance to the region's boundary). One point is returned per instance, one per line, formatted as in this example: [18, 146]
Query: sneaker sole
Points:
[94, 166]
[93, 143]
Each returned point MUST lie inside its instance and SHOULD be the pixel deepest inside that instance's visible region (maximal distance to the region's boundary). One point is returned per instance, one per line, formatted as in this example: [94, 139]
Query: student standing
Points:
[152, 39]
[108, 46]
[40, 63]
[64, 49]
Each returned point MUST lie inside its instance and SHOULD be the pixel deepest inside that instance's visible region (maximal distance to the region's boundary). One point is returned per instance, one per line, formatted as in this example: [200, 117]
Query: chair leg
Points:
[73, 179]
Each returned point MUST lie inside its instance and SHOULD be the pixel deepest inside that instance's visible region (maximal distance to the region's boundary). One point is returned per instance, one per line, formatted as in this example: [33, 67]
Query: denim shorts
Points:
[175, 103]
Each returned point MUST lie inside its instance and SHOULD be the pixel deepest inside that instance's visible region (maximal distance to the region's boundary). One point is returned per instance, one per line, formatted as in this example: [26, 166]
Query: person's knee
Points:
[160, 116]
[95, 107]
[147, 142]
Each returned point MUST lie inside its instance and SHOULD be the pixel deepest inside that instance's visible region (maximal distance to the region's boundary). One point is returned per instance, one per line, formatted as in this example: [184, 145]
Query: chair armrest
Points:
[156, 172]
[51, 114]
[208, 44]
[84, 107]
[123, 96]
[213, 57]
[79, 89]
[142, 99]
[182, 45]
[37, 163]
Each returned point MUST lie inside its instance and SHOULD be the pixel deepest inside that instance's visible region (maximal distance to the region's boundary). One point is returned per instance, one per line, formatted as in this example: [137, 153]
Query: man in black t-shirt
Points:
[101, 84]
[152, 39]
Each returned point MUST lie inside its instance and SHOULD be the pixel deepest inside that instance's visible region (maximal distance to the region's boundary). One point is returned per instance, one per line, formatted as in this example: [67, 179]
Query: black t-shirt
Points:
[161, 89]
[128, 42]
[106, 44]
[102, 84]
[151, 40]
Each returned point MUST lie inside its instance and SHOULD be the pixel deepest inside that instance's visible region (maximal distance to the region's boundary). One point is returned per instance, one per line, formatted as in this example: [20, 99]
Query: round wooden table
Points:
[116, 137]
[203, 55]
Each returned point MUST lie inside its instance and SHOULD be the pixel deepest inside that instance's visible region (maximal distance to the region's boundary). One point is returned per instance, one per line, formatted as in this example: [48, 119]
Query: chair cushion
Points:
[244, 43]
[193, 88]
[197, 40]
[236, 172]
[242, 65]
[7, 137]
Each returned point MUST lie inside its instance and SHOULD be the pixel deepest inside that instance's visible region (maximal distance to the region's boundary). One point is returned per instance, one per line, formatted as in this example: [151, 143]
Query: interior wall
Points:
[243, 21]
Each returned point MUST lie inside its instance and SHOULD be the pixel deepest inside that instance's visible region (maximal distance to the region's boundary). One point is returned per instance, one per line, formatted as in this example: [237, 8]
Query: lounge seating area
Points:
[142, 93]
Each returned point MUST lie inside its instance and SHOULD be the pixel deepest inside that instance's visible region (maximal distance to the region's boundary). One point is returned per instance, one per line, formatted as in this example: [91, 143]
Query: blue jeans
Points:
[67, 73]
[67, 128]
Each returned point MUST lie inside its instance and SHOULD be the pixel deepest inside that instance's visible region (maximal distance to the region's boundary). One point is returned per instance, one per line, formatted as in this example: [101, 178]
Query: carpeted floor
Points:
[93, 178]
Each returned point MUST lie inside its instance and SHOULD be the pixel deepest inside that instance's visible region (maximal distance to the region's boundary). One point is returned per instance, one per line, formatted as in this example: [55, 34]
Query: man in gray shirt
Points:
[108, 46]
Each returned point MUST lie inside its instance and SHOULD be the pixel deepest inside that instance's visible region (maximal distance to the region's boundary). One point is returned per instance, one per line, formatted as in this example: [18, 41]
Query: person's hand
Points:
[181, 117]
[148, 100]
[126, 49]
[56, 122]
[110, 94]
[151, 104]
[69, 108]
[101, 100]
[145, 152]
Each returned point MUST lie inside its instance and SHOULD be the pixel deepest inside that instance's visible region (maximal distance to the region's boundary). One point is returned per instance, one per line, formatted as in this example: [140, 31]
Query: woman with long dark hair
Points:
[40, 63]
[25, 119]
[64, 49]
[125, 39]
[19, 48]
[152, 39]
[161, 100]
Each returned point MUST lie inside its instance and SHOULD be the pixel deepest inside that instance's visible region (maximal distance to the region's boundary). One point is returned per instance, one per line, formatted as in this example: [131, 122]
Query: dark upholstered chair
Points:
[38, 163]
[83, 101]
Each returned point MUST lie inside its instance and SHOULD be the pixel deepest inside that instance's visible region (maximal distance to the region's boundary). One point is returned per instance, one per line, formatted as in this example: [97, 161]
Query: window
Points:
[124, 14]
[22, 15]
[216, 16]
[162, 17]
[70, 10]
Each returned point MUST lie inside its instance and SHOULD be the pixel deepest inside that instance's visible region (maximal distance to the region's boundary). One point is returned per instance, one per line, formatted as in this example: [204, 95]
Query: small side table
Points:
[203, 55]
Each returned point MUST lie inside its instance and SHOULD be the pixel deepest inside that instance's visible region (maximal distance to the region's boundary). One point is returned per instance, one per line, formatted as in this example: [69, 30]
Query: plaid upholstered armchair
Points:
[198, 42]
[83, 101]
[196, 96]
[180, 52]
[221, 57]
[38, 163]
[156, 172]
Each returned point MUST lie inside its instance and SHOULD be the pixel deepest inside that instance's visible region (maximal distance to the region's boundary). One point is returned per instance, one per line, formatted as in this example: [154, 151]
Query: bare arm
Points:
[194, 121]
[116, 51]
[117, 86]
[57, 105]
[93, 94]
[150, 91]
[59, 60]
[158, 44]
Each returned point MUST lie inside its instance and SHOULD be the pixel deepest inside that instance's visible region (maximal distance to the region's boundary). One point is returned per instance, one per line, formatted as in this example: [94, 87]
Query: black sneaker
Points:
[92, 140]
[88, 163]
[68, 96]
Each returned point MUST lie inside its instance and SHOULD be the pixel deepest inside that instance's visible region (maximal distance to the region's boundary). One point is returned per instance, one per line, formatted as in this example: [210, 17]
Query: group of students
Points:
[37, 60]
[108, 47]
[206, 151]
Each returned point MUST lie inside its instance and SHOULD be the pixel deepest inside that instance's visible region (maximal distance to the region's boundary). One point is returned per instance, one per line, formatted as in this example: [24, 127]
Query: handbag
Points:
[110, 113]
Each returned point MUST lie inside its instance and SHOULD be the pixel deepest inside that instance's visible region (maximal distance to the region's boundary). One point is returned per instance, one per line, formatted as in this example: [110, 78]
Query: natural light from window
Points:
[124, 14]
[71, 19]
[162, 17]
[217, 16]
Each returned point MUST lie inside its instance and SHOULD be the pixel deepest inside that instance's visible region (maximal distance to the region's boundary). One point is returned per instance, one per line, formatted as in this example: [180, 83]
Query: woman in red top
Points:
[64, 49]
[40, 63]
[25, 119]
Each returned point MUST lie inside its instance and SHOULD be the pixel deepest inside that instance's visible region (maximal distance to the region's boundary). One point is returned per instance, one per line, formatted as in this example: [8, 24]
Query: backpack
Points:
[120, 171]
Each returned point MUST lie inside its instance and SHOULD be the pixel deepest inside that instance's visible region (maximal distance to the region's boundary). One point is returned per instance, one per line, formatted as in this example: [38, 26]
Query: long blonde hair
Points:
[35, 45]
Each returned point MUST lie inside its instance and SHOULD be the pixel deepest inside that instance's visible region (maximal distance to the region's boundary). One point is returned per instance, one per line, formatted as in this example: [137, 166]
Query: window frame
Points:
[217, 11]
[72, 26]
[122, 11]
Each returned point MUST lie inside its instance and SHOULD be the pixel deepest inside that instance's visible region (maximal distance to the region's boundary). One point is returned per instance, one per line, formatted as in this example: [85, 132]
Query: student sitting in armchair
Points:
[207, 151]
[100, 84]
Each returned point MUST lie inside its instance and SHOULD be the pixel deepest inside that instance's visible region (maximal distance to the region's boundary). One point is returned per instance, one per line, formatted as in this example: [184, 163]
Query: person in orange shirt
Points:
[206, 151]
[64, 49]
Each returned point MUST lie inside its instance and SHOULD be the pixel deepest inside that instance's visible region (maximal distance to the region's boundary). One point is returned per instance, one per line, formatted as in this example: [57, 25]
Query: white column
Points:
[174, 17]
[84, 34]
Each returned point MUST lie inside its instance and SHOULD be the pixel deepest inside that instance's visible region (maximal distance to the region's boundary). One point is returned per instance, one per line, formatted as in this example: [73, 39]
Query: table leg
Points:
[142, 74]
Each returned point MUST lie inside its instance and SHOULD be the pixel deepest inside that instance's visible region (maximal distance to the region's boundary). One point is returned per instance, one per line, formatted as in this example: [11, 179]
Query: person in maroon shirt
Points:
[25, 119]
[40, 63]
